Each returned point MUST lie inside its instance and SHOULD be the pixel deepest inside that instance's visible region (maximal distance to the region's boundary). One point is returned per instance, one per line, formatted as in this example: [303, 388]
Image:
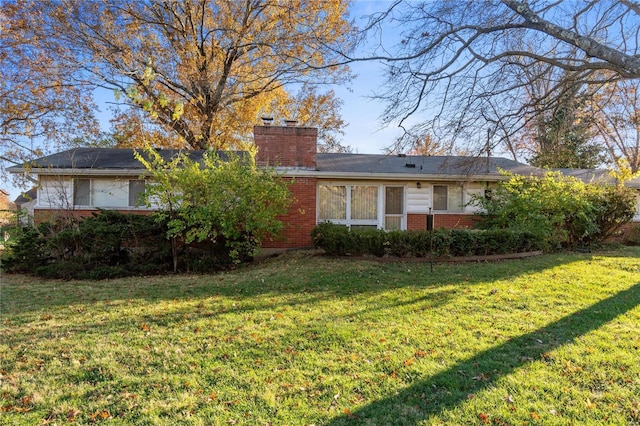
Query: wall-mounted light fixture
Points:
[418, 185]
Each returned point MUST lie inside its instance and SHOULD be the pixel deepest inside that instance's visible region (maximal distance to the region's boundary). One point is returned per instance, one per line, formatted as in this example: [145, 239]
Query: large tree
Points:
[42, 104]
[458, 65]
[616, 111]
[204, 70]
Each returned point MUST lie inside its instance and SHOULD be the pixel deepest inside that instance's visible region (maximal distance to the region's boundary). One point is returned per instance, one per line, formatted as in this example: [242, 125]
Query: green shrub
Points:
[561, 211]
[339, 240]
[333, 239]
[25, 252]
[110, 244]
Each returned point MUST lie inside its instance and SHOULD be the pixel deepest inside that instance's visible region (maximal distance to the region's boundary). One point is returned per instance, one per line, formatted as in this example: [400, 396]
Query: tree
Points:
[459, 63]
[8, 211]
[204, 69]
[133, 128]
[562, 136]
[427, 145]
[226, 200]
[616, 111]
[320, 110]
[42, 105]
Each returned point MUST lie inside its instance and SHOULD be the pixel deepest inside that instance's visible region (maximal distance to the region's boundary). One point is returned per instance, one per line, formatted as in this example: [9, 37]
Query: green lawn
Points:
[309, 340]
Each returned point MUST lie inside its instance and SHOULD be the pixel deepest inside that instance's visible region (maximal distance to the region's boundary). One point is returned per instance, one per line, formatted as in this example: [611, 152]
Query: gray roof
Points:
[114, 159]
[104, 158]
[26, 197]
[93, 158]
[421, 164]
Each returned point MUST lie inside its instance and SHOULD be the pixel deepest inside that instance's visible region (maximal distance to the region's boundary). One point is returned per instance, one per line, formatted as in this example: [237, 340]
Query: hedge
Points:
[107, 245]
[339, 240]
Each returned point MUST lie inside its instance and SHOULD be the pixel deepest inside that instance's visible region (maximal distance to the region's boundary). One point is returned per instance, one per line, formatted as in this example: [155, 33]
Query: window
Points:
[364, 203]
[362, 206]
[333, 202]
[393, 207]
[104, 193]
[82, 192]
[352, 205]
[136, 193]
[448, 198]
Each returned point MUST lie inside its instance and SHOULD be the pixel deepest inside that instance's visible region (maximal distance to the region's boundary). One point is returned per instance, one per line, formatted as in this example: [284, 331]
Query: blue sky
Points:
[364, 133]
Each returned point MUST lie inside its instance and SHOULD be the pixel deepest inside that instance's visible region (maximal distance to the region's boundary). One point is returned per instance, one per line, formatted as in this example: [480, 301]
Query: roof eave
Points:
[389, 176]
[50, 171]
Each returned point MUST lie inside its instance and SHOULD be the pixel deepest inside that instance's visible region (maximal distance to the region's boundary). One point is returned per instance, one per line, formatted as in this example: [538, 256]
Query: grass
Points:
[310, 340]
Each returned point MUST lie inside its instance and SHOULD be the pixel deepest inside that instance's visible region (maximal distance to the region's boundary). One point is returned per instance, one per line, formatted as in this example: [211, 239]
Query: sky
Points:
[364, 132]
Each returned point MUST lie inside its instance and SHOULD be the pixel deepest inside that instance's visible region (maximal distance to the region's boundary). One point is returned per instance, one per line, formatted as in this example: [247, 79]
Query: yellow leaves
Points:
[145, 327]
[589, 405]
[570, 368]
[178, 110]
[100, 415]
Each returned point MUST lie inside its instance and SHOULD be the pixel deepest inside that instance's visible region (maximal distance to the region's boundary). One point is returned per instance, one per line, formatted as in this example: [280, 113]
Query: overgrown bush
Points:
[217, 200]
[339, 240]
[108, 244]
[560, 210]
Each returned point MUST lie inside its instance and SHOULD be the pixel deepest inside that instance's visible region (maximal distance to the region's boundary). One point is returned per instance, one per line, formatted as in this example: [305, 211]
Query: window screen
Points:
[82, 192]
[364, 202]
[439, 197]
[136, 192]
[332, 202]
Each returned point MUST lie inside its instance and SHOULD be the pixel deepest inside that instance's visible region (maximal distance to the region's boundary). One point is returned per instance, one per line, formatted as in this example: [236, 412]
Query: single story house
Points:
[358, 190]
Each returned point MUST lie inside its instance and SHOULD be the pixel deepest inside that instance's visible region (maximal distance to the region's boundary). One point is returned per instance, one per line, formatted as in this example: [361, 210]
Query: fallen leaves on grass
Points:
[100, 415]
[484, 377]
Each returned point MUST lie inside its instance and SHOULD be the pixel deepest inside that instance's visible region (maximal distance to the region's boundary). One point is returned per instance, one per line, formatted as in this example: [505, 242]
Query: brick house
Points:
[357, 190]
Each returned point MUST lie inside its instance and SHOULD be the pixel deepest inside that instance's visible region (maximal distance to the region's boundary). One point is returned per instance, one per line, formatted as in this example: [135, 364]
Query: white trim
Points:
[448, 210]
[379, 222]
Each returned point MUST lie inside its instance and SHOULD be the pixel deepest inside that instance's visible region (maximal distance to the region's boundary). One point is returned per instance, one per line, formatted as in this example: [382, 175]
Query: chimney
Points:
[286, 146]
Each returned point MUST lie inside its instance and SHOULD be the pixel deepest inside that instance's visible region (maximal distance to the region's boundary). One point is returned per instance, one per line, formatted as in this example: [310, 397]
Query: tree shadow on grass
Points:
[446, 390]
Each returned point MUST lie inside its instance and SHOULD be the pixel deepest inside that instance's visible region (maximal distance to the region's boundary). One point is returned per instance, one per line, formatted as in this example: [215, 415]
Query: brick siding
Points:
[416, 222]
[301, 218]
[451, 221]
[286, 146]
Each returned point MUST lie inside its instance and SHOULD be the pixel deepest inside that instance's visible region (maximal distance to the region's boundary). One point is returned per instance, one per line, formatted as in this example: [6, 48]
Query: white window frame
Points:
[379, 222]
[448, 186]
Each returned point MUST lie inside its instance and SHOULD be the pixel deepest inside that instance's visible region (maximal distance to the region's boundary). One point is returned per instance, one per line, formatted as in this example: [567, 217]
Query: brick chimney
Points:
[288, 146]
